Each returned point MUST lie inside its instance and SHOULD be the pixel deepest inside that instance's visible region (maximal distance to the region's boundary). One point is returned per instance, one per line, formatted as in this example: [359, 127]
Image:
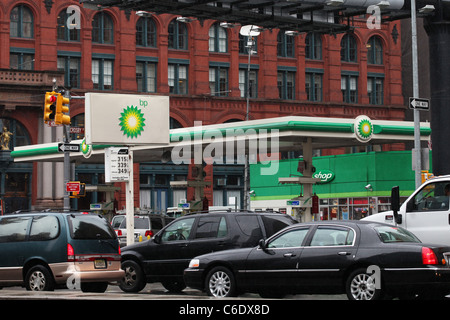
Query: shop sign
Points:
[325, 176]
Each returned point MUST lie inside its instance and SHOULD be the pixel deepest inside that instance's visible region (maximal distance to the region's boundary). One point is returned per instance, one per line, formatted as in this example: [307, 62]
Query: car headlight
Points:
[195, 263]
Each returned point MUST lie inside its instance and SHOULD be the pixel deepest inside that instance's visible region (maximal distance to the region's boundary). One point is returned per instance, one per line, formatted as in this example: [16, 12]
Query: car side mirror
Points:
[262, 244]
[157, 238]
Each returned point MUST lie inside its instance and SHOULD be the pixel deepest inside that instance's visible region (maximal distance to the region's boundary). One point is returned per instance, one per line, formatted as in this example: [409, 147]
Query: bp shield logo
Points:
[132, 122]
[363, 128]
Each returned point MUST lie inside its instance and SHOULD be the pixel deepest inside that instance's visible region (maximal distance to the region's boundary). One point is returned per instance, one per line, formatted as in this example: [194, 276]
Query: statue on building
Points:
[5, 138]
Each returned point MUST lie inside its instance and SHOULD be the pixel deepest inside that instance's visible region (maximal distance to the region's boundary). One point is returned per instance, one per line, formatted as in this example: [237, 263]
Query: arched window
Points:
[285, 45]
[146, 32]
[375, 50]
[349, 48]
[218, 40]
[64, 30]
[102, 28]
[178, 35]
[313, 48]
[21, 22]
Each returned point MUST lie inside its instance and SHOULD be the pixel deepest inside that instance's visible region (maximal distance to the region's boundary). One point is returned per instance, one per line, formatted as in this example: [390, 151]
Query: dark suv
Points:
[164, 258]
[46, 250]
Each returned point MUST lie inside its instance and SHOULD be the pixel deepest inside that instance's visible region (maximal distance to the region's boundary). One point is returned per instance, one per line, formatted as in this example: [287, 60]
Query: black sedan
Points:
[366, 260]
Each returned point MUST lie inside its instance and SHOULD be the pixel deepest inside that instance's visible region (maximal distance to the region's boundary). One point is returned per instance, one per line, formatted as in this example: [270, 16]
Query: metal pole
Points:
[417, 150]
[246, 167]
[66, 161]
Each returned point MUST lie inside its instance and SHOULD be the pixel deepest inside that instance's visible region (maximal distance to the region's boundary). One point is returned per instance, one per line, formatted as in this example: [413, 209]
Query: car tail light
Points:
[119, 232]
[428, 256]
[70, 253]
[149, 233]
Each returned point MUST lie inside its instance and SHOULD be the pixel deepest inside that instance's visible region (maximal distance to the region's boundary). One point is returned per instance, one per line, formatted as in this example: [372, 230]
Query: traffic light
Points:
[51, 99]
[62, 107]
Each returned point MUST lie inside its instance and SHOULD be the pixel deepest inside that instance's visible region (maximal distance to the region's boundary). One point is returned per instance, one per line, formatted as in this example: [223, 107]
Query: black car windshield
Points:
[90, 227]
[394, 234]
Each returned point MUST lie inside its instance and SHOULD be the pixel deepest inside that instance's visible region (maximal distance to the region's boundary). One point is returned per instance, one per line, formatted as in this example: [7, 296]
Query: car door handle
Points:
[289, 255]
[344, 253]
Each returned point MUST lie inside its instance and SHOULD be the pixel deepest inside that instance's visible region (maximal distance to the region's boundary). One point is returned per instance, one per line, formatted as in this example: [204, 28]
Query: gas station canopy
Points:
[265, 135]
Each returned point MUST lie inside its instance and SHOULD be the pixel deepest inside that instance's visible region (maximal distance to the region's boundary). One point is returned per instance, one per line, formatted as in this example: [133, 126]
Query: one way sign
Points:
[417, 103]
[62, 147]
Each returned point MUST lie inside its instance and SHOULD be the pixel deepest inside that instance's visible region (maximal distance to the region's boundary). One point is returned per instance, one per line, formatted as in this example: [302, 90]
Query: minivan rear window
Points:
[90, 227]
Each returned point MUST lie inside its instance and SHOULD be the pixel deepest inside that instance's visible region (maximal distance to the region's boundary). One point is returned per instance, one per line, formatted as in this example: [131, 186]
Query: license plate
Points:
[100, 264]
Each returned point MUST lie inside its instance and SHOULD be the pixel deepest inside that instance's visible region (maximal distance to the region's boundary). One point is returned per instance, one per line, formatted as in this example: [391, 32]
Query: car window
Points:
[117, 220]
[333, 236]
[90, 227]
[433, 196]
[179, 230]
[292, 238]
[156, 223]
[395, 234]
[139, 223]
[273, 224]
[13, 229]
[211, 227]
[249, 225]
[44, 228]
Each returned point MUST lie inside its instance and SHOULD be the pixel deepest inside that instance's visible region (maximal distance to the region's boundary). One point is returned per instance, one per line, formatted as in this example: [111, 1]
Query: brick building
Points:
[202, 65]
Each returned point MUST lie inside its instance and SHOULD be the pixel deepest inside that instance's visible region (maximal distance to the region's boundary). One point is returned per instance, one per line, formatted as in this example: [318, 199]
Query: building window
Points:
[178, 35]
[313, 86]
[285, 45]
[218, 41]
[102, 28]
[286, 84]
[64, 33]
[102, 74]
[244, 77]
[21, 61]
[375, 89]
[146, 32]
[178, 81]
[375, 50]
[21, 22]
[348, 48]
[218, 81]
[71, 68]
[349, 88]
[146, 76]
[313, 46]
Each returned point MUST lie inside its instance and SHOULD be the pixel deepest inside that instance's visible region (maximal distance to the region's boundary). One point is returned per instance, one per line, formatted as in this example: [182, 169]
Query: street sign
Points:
[421, 104]
[62, 147]
[73, 186]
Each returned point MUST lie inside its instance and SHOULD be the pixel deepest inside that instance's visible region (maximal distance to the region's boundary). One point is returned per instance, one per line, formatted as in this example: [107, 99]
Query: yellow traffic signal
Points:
[50, 103]
[62, 107]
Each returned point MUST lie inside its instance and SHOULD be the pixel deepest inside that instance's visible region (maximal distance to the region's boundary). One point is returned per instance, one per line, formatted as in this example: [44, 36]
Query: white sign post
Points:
[125, 120]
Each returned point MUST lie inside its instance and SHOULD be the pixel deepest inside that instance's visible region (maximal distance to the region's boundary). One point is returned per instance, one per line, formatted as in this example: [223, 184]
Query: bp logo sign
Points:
[126, 119]
[363, 128]
[132, 122]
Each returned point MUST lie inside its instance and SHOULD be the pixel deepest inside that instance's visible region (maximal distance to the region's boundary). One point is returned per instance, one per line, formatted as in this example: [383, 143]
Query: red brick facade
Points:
[198, 104]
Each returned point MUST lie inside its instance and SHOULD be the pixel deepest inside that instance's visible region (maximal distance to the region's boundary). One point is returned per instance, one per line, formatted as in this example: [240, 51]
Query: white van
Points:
[425, 213]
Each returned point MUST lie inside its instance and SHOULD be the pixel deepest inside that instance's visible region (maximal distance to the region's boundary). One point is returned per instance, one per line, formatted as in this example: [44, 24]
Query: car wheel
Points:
[173, 285]
[39, 278]
[220, 283]
[361, 286]
[97, 287]
[134, 279]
